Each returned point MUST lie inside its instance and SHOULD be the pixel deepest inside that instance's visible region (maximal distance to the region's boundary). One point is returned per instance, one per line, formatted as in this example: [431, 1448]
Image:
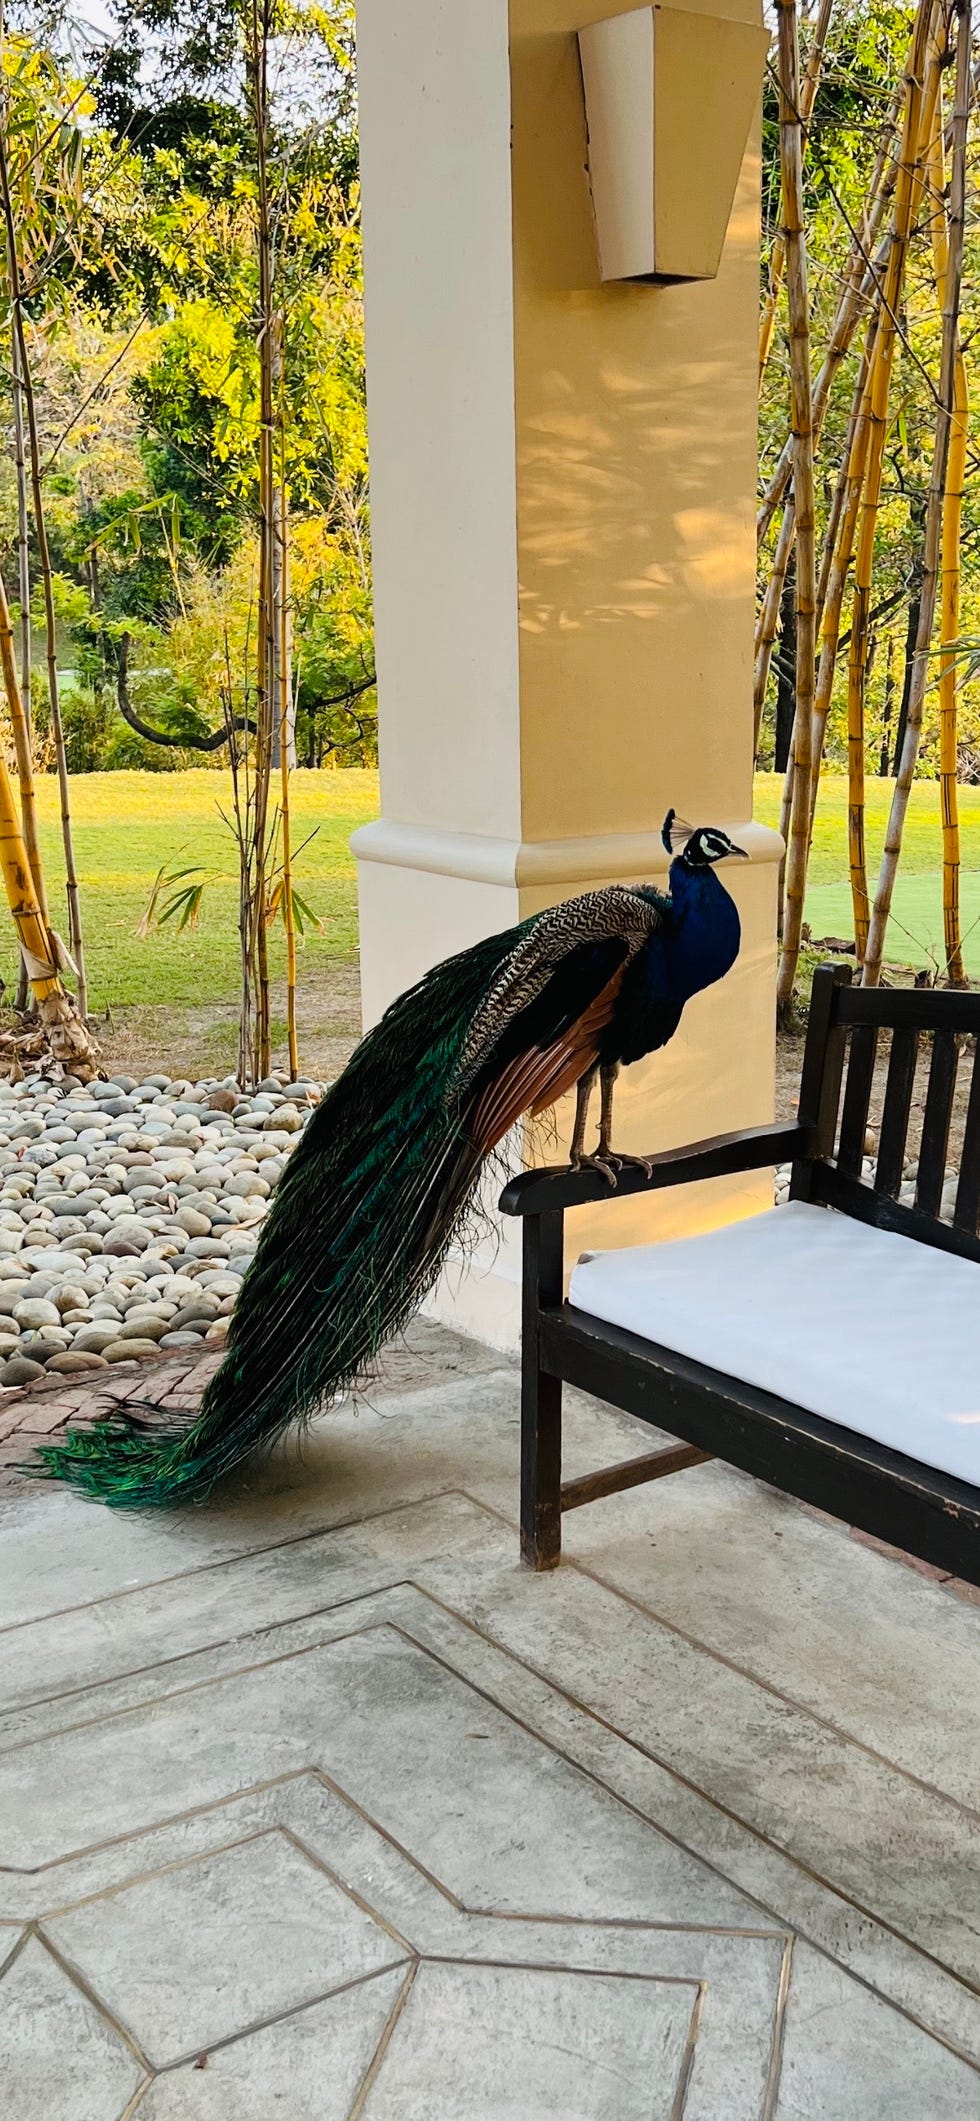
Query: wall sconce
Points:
[669, 98]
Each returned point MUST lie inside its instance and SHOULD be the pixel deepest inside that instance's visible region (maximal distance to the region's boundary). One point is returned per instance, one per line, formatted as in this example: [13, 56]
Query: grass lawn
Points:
[915, 934]
[129, 825]
[174, 997]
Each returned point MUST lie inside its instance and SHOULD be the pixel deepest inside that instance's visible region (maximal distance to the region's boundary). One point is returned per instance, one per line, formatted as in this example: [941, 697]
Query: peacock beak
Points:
[732, 849]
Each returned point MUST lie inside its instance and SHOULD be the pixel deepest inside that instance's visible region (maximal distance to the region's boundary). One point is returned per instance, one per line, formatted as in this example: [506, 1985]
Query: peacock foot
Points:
[621, 1160]
[607, 1165]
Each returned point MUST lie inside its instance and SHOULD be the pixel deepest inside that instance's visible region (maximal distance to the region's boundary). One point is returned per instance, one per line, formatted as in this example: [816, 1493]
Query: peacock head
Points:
[697, 846]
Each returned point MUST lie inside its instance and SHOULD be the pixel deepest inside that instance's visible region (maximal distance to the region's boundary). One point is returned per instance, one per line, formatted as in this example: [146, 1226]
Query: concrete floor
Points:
[314, 1804]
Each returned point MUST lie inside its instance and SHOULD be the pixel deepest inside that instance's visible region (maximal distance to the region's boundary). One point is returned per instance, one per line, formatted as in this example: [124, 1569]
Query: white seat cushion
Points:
[868, 1329]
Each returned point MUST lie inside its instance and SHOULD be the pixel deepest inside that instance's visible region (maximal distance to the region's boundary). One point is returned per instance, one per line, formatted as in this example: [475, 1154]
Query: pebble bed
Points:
[129, 1213]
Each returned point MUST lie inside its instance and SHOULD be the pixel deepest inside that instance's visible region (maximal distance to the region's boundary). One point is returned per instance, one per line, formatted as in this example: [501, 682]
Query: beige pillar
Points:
[563, 482]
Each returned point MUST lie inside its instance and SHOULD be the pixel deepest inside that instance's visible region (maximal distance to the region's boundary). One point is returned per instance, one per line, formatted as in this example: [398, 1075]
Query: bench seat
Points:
[866, 1328]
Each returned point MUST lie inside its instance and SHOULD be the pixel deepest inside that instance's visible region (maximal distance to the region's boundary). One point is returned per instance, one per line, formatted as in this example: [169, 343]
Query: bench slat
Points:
[918, 1008]
[935, 1124]
[967, 1210]
[857, 1098]
[895, 1116]
[832, 1189]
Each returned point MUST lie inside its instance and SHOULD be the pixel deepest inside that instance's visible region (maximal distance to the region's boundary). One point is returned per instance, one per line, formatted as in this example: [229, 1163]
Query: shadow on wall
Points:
[637, 460]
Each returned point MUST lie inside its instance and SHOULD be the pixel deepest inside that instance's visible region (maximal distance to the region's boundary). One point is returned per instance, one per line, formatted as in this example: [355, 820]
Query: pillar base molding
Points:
[536, 864]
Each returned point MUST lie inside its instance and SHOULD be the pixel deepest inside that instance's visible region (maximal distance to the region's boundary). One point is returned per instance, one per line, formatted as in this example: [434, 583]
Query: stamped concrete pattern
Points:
[314, 1804]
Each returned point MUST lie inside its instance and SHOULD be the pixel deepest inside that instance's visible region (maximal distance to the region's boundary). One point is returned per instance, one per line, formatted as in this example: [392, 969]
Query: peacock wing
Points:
[537, 1061]
[541, 1027]
[618, 913]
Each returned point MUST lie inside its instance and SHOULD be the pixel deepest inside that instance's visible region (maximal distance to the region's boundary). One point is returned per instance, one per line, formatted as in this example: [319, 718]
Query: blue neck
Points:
[704, 933]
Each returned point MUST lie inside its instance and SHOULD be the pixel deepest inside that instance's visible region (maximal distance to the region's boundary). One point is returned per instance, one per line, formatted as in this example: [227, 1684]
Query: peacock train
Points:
[387, 1168]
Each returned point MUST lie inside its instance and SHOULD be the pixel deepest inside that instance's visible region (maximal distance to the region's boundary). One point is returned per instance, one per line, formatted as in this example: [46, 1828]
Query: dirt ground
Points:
[196, 1042]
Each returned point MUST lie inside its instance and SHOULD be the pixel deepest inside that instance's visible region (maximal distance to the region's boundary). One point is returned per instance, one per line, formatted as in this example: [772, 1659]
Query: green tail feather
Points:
[359, 1227]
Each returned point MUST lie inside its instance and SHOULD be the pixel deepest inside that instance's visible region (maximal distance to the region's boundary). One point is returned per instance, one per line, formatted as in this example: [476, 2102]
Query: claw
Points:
[621, 1160]
[594, 1162]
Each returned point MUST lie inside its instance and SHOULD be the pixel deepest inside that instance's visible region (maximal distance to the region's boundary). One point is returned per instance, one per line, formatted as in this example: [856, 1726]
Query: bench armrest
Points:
[558, 1187]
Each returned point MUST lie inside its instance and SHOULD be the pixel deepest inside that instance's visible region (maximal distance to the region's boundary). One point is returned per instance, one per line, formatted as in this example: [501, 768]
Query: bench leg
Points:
[540, 1399]
[541, 1471]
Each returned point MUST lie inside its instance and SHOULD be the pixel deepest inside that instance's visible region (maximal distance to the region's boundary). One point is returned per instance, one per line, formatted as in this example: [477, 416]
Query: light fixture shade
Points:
[669, 98]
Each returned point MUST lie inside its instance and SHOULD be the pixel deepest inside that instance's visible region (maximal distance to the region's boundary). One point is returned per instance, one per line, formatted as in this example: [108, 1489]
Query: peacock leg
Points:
[614, 1159]
[577, 1157]
[607, 1082]
[583, 1098]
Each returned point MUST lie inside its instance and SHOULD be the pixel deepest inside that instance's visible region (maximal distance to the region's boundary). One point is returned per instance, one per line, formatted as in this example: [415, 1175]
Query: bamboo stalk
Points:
[908, 189]
[949, 584]
[791, 169]
[23, 539]
[777, 259]
[838, 551]
[67, 1036]
[22, 753]
[24, 596]
[858, 287]
[932, 552]
[285, 760]
[768, 618]
[44, 559]
[868, 292]
[266, 644]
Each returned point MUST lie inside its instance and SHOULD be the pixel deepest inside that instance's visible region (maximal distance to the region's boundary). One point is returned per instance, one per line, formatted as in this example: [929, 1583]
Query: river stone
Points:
[36, 1311]
[195, 1315]
[94, 1338]
[133, 1231]
[129, 1350]
[222, 1101]
[75, 1360]
[77, 1204]
[39, 1348]
[70, 1296]
[20, 1370]
[191, 1220]
[143, 1330]
[53, 1259]
[120, 1247]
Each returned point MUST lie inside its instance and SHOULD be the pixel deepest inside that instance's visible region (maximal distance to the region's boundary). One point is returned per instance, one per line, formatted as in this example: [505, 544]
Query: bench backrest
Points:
[847, 1029]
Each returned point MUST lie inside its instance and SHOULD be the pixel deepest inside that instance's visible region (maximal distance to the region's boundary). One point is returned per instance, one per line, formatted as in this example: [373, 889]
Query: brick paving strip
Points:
[178, 1381]
[57, 1403]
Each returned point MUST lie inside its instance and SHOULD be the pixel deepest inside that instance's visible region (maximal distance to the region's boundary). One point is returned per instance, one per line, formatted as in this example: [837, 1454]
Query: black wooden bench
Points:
[911, 1504]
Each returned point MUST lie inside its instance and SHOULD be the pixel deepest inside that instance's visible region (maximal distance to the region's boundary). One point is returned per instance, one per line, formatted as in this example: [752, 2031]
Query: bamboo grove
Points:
[866, 521]
[222, 272]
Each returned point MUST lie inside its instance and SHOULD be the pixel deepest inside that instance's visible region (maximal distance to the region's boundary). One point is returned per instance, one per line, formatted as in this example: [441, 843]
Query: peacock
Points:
[383, 1177]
